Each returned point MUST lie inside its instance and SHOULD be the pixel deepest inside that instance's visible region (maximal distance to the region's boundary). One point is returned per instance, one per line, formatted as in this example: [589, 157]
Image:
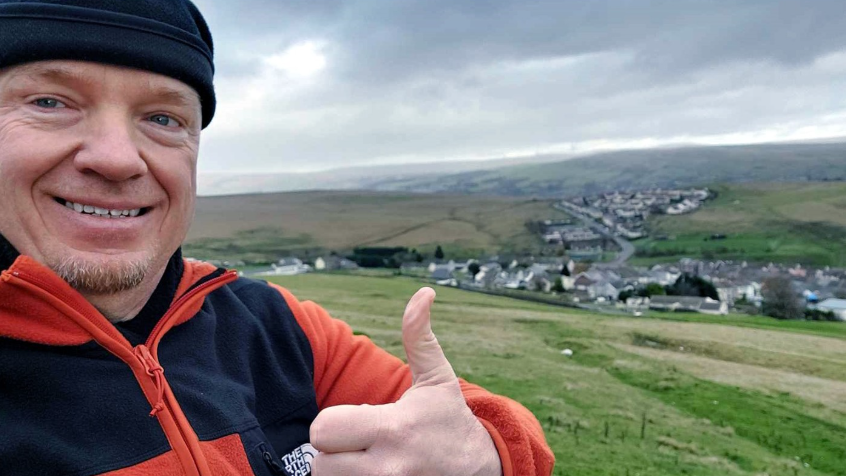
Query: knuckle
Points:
[316, 432]
[391, 427]
[317, 466]
[391, 467]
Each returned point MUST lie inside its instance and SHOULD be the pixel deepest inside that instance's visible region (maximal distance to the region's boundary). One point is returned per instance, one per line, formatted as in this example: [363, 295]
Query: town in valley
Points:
[586, 262]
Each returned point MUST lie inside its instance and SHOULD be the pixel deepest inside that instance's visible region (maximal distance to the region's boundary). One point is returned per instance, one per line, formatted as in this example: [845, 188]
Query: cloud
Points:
[306, 85]
[300, 60]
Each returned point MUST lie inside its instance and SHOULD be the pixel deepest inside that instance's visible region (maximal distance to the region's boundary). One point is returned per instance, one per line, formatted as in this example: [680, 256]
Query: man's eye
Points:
[48, 103]
[164, 120]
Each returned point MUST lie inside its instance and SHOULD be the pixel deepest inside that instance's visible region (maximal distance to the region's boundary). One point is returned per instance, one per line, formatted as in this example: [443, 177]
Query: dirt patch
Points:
[786, 343]
[831, 211]
[829, 393]
[678, 445]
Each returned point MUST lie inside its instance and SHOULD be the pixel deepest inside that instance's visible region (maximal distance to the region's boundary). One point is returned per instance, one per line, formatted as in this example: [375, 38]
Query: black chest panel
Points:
[241, 365]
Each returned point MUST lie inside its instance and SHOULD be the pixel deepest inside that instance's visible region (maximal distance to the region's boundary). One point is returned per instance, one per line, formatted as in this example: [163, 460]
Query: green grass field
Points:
[663, 395]
[787, 223]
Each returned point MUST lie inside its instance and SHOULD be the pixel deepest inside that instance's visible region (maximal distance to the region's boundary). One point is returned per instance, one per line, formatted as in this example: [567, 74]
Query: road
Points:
[626, 248]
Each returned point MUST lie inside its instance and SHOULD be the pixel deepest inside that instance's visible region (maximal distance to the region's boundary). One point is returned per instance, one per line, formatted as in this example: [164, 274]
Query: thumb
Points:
[429, 366]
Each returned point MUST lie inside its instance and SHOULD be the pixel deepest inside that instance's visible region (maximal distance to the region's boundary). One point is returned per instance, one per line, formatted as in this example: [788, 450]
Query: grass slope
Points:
[657, 396]
[791, 223]
[640, 169]
[268, 226]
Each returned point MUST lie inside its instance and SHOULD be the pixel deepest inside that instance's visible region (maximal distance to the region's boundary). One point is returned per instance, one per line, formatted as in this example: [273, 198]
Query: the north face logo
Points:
[298, 462]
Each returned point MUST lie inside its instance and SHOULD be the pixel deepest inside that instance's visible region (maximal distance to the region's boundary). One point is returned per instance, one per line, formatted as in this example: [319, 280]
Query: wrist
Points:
[486, 453]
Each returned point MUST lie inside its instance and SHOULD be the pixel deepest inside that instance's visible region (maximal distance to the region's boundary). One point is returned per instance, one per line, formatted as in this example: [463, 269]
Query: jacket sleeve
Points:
[352, 370]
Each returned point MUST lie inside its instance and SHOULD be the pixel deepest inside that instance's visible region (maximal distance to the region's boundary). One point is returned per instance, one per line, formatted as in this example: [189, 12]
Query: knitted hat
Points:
[168, 37]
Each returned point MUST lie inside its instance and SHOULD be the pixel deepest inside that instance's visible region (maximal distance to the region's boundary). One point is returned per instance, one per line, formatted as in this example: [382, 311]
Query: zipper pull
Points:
[271, 462]
[154, 370]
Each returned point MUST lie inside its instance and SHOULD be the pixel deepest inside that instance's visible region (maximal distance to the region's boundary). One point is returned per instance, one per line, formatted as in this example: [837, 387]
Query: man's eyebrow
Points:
[175, 96]
[53, 73]
[61, 74]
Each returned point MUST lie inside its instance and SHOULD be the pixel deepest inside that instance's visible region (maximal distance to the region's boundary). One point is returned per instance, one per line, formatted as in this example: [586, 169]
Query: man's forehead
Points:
[80, 72]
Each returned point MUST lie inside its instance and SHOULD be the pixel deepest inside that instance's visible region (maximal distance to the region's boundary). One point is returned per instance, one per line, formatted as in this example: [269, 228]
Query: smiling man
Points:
[98, 166]
[103, 325]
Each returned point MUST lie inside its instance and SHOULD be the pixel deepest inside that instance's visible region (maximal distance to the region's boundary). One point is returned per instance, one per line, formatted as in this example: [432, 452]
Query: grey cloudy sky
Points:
[306, 85]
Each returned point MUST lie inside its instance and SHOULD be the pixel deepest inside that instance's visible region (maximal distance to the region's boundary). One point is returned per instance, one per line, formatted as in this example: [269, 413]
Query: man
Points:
[103, 325]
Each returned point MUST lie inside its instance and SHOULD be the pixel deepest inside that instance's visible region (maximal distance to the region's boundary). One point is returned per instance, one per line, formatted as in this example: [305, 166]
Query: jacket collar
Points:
[177, 279]
[8, 253]
[138, 328]
[159, 301]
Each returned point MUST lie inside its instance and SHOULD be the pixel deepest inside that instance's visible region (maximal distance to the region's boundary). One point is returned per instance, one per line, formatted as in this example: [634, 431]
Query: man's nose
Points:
[111, 149]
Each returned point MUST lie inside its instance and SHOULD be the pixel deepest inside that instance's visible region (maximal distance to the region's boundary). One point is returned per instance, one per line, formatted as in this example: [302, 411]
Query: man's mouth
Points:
[102, 212]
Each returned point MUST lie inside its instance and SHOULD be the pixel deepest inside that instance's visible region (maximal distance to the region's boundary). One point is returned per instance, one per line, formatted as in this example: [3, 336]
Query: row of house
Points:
[594, 285]
[734, 281]
[536, 275]
[625, 213]
[685, 206]
[743, 281]
[286, 267]
[571, 236]
[701, 305]
[291, 266]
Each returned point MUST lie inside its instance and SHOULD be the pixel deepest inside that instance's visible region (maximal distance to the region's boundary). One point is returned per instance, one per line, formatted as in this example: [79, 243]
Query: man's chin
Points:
[102, 276]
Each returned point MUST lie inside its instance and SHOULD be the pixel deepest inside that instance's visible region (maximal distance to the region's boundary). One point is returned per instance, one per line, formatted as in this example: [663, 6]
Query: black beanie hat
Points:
[168, 37]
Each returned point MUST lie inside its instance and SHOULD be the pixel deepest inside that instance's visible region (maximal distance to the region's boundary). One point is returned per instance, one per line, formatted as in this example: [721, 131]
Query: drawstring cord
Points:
[154, 370]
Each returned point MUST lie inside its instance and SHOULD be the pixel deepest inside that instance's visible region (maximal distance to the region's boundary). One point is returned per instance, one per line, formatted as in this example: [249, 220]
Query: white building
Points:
[287, 267]
[837, 306]
[333, 262]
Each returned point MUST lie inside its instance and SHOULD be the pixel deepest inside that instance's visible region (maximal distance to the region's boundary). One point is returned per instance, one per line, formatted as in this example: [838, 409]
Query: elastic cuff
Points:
[501, 447]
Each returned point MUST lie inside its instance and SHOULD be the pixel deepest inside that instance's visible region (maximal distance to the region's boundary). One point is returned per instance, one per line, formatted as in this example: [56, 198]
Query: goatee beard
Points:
[102, 278]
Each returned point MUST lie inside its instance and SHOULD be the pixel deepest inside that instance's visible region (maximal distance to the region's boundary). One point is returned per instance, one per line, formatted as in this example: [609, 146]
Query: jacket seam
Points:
[245, 426]
[292, 315]
[278, 419]
[94, 470]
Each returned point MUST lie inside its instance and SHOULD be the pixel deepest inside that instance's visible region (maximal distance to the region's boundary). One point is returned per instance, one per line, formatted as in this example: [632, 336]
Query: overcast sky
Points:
[306, 85]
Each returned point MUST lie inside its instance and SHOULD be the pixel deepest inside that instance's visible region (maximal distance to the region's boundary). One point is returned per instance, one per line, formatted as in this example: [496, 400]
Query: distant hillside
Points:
[786, 223]
[351, 178]
[265, 227]
[639, 169]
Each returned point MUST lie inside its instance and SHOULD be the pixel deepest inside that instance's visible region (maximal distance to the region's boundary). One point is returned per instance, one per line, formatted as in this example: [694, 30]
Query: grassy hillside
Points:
[790, 223]
[804, 223]
[265, 227]
[640, 169]
[651, 396]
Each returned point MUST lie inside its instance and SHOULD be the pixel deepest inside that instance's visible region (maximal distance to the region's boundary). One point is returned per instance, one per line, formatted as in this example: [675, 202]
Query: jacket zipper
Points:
[149, 358]
[268, 458]
[121, 348]
[212, 283]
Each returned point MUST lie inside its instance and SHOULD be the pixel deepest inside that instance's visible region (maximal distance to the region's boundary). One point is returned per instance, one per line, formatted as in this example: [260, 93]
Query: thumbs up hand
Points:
[430, 431]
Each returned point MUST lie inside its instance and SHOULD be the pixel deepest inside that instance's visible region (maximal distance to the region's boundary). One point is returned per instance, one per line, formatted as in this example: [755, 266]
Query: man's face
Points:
[97, 169]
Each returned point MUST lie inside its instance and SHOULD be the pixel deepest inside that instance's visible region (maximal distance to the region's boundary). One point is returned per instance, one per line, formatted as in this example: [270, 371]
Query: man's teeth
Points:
[102, 212]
